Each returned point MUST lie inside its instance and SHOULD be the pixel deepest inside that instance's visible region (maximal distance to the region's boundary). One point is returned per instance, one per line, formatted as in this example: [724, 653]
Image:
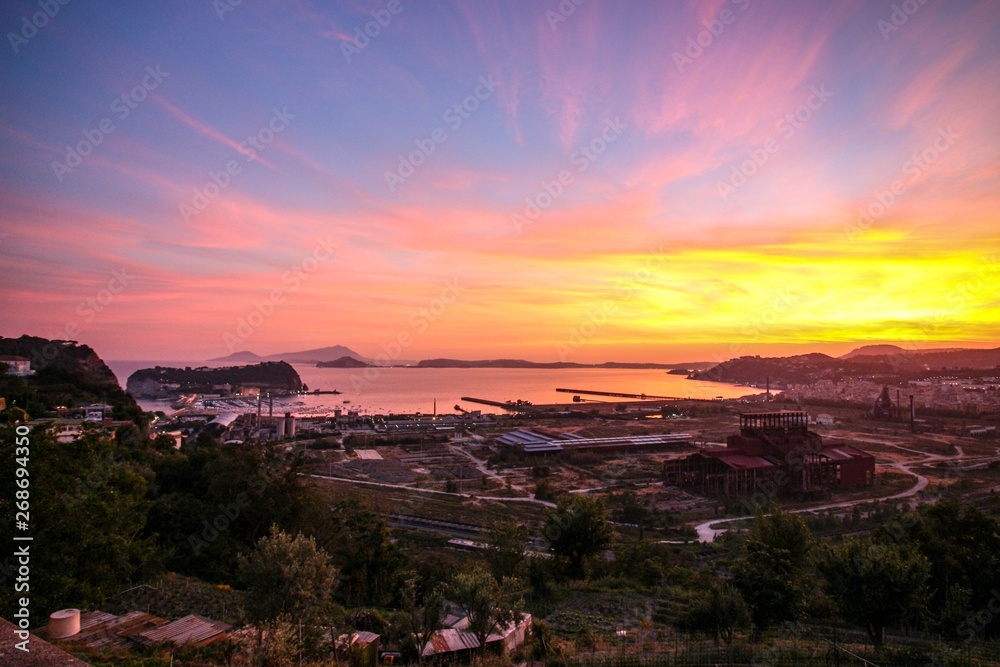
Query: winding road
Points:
[708, 531]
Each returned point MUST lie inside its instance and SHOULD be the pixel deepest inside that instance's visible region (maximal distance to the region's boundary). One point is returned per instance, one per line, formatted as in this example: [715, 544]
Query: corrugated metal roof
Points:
[100, 629]
[843, 453]
[192, 629]
[535, 442]
[449, 641]
[89, 619]
[543, 447]
[364, 637]
[522, 437]
[738, 460]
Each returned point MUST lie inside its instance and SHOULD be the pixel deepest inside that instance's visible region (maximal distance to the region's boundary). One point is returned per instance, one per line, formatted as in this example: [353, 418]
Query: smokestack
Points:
[912, 415]
[769, 389]
[270, 409]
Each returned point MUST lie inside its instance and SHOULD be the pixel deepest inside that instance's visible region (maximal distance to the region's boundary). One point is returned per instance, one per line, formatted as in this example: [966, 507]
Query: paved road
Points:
[707, 531]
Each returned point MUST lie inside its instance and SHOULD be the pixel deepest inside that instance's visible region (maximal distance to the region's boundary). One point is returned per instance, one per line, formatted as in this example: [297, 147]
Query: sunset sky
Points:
[588, 180]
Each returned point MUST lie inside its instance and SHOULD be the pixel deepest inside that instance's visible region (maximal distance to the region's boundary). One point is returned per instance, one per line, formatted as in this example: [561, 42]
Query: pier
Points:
[618, 394]
[519, 406]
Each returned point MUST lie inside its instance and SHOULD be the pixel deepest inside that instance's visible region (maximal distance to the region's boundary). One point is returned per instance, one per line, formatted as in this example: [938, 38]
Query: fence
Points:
[791, 649]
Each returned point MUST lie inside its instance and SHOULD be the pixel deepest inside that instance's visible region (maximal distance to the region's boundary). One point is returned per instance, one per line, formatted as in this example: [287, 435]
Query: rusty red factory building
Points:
[774, 452]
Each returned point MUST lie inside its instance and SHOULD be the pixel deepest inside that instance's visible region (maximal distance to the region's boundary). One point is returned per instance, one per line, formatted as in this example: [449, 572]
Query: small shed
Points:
[360, 648]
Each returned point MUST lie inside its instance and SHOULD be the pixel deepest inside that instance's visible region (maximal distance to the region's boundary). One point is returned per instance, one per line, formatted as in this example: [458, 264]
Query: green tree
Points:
[287, 578]
[643, 561]
[489, 604]
[88, 506]
[718, 611]
[963, 546]
[773, 575]
[424, 615]
[506, 550]
[577, 529]
[875, 585]
[369, 561]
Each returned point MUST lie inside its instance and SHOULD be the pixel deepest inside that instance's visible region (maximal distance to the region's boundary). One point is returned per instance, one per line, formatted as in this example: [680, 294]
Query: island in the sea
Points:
[276, 377]
[343, 362]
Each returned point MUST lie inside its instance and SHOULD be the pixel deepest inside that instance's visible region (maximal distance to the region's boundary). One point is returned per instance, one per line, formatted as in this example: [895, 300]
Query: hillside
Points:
[809, 368]
[65, 373]
[873, 350]
[160, 381]
[799, 369]
[928, 359]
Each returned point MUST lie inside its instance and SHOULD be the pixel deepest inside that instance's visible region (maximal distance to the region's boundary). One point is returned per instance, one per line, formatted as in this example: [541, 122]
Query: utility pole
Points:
[912, 425]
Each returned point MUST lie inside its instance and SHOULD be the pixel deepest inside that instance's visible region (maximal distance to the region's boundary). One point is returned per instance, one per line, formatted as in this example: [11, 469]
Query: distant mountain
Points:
[331, 353]
[343, 362]
[889, 350]
[881, 362]
[240, 356]
[873, 350]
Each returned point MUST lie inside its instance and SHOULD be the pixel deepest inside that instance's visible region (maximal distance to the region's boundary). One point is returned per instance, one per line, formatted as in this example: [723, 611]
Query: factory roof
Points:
[225, 419]
[192, 629]
[536, 442]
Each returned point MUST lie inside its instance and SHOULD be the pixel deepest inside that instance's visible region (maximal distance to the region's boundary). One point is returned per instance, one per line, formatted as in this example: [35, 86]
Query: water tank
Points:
[279, 428]
[64, 623]
[289, 426]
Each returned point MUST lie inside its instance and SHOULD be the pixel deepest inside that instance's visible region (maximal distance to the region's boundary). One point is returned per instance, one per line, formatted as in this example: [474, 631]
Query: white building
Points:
[19, 366]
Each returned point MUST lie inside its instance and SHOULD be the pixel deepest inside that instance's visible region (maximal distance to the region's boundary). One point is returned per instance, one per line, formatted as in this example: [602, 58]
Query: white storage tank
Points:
[64, 623]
